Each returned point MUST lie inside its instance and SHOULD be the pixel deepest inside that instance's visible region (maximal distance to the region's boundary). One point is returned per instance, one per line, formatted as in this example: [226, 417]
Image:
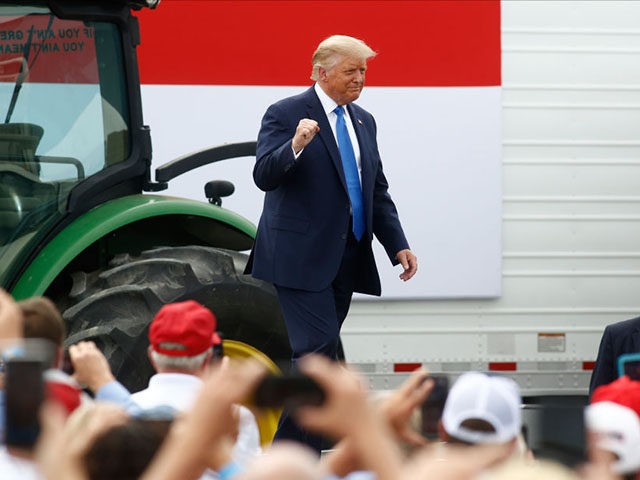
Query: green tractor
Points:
[75, 225]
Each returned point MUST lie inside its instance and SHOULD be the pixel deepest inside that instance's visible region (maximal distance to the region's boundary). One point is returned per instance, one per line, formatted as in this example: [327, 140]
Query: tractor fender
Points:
[113, 215]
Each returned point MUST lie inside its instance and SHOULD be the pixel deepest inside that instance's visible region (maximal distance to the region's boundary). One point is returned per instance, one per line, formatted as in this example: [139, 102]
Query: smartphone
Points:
[288, 391]
[434, 404]
[24, 394]
[218, 348]
[629, 364]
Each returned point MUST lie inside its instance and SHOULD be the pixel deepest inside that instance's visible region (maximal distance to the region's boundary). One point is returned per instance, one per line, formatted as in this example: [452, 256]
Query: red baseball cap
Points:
[623, 391]
[182, 329]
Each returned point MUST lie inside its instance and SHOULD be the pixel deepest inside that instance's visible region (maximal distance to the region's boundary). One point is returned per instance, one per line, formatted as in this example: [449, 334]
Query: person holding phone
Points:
[43, 321]
[483, 410]
[181, 336]
[43, 330]
[16, 461]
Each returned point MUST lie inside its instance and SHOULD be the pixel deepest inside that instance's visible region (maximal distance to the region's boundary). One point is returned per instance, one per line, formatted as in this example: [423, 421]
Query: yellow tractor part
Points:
[267, 418]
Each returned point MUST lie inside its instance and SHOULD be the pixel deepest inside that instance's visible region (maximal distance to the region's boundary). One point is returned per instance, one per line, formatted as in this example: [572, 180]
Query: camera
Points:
[218, 348]
[433, 406]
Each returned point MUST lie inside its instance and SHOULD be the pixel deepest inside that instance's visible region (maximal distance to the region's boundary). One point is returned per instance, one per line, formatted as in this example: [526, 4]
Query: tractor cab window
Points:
[63, 114]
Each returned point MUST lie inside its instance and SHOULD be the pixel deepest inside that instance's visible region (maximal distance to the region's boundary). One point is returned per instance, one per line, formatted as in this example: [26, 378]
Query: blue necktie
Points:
[350, 174]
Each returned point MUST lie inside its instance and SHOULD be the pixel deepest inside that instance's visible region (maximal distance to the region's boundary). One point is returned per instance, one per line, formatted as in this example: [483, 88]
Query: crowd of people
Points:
[196, 420]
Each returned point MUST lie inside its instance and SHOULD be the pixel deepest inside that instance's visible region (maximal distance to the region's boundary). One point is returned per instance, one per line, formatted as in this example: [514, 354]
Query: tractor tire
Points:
[114, 307]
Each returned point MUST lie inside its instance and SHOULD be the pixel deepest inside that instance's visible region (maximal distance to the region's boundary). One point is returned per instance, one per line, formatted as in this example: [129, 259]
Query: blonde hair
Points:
[331, 49]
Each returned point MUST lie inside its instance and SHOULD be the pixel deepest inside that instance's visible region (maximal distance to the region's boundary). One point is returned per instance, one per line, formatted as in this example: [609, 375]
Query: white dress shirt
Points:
[179, 391]
[329, 105]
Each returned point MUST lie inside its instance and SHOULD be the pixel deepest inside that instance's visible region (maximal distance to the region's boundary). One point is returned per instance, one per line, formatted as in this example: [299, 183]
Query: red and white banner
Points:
[211, 68]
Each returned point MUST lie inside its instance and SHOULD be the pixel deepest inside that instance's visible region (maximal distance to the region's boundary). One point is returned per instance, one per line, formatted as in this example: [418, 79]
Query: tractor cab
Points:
[71, 133]
[75, 225]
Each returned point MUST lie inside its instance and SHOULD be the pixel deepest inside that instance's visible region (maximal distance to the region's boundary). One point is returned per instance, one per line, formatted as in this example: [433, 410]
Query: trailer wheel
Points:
[113, 307]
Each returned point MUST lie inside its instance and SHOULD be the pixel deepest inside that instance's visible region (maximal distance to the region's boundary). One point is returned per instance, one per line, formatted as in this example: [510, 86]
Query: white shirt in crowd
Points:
[179, 391]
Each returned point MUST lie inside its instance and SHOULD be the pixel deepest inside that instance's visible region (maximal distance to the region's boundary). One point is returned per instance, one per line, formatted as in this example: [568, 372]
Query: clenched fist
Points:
[305, 132]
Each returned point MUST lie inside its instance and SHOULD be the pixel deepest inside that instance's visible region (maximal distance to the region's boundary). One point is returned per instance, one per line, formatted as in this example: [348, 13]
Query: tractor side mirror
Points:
[216, 189]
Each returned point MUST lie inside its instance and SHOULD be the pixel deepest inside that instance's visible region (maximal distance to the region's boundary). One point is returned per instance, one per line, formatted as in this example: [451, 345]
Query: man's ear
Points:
[322, 73]
[207, 359]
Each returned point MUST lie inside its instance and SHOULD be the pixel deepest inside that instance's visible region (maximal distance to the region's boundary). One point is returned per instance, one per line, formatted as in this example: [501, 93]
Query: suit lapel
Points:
[359, 127]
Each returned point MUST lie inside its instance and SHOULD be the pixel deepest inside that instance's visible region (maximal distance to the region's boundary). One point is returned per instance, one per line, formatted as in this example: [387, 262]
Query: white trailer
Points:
[570, 226]
[571, 214]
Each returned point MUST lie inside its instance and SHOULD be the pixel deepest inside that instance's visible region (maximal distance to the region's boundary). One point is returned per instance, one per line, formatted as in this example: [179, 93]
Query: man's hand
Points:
[409, 263]
[10, 317]
[345, 408]
[90, 366]
[398, 407]
[305, 132]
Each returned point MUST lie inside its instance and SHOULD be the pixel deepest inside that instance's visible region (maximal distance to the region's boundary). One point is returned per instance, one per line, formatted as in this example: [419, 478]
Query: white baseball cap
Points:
[617, 430]
[493, 399]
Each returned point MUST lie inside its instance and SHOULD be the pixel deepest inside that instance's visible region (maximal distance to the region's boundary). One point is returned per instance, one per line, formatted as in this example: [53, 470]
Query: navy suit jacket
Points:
[306, 216]
[618, 338]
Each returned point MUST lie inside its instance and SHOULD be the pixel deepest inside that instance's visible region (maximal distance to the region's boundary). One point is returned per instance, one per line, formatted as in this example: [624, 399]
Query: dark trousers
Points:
[313, 321]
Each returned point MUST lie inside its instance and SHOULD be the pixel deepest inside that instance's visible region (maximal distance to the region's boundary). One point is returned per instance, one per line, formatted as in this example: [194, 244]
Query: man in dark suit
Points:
[618, 338]
[326, 196]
